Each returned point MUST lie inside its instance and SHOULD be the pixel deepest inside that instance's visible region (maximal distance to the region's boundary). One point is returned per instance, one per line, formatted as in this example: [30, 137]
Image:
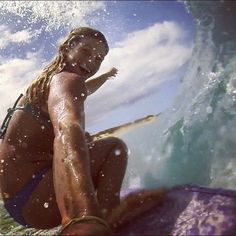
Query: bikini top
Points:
[36, 112]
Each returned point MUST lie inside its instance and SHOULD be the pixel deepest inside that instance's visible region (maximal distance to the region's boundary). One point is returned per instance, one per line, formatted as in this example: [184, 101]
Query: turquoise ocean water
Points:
[194, 141]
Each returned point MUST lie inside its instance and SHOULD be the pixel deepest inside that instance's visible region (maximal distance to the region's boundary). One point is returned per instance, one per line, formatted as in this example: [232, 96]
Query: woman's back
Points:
[28, 133]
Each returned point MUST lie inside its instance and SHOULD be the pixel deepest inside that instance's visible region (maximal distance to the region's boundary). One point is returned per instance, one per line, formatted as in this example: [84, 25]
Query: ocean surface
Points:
[194, 141]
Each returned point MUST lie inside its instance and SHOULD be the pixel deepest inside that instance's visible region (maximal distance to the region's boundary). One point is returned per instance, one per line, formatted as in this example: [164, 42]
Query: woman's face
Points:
[85, 57]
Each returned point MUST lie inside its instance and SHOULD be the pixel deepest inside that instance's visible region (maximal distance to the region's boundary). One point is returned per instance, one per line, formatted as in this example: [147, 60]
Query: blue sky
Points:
[150, 45]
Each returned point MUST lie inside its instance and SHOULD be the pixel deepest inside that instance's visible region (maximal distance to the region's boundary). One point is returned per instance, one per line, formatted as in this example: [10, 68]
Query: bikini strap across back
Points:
[36, 112]
[8, 117]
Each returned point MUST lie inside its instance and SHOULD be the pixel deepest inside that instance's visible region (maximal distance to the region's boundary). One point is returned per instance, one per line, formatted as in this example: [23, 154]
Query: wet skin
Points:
[81, 181]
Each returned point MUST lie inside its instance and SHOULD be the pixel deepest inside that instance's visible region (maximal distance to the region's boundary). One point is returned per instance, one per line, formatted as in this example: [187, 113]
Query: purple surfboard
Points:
[188, 210]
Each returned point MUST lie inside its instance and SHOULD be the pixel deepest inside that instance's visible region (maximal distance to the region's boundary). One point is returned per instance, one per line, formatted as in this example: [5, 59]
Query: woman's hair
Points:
[38, 91]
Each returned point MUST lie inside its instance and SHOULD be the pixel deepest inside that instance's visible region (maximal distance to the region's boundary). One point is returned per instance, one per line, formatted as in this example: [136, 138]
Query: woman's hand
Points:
[111, 73]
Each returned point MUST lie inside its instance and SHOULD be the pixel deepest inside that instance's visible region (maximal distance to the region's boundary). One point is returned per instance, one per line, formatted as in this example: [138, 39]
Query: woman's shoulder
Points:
[68, 81]
[66, 76]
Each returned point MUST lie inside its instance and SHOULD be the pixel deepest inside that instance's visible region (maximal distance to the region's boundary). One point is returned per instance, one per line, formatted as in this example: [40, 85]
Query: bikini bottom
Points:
[16, 204]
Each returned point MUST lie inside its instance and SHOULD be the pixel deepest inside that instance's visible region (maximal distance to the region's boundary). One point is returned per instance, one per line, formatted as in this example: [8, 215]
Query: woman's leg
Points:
[41, 209]
[108, 159]
[108, 165]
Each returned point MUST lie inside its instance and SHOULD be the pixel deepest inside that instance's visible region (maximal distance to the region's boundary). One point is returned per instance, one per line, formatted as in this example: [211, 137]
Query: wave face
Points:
[194, 142]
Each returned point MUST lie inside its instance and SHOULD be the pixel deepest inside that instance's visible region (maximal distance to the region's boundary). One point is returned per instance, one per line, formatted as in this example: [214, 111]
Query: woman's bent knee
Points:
[120, 147]
[119, 142]
[120, 153]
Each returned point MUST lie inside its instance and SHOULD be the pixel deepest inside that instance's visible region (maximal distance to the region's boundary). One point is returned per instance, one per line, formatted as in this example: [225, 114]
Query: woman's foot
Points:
[87, 227]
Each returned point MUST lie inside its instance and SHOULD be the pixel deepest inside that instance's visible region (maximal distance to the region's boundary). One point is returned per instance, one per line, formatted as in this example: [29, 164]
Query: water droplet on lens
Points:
[117, 152]
[209, 110]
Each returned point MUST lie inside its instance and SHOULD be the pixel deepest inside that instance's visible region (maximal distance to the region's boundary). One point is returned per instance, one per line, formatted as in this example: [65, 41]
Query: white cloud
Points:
[54, 14]
[7, 36]
[15, 75]
[145, 59]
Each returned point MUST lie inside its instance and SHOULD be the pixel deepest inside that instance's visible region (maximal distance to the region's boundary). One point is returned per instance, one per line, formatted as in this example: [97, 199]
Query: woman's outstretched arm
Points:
[71, 167]
[94, 84]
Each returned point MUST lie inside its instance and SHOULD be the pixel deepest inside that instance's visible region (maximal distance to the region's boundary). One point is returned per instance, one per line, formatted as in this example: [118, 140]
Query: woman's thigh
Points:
[41, 209]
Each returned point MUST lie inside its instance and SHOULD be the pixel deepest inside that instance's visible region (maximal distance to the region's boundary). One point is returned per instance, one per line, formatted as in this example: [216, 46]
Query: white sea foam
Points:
[54, 14]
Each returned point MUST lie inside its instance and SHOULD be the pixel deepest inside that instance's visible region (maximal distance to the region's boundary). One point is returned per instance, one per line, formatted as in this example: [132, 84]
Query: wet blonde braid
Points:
[37, 92]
